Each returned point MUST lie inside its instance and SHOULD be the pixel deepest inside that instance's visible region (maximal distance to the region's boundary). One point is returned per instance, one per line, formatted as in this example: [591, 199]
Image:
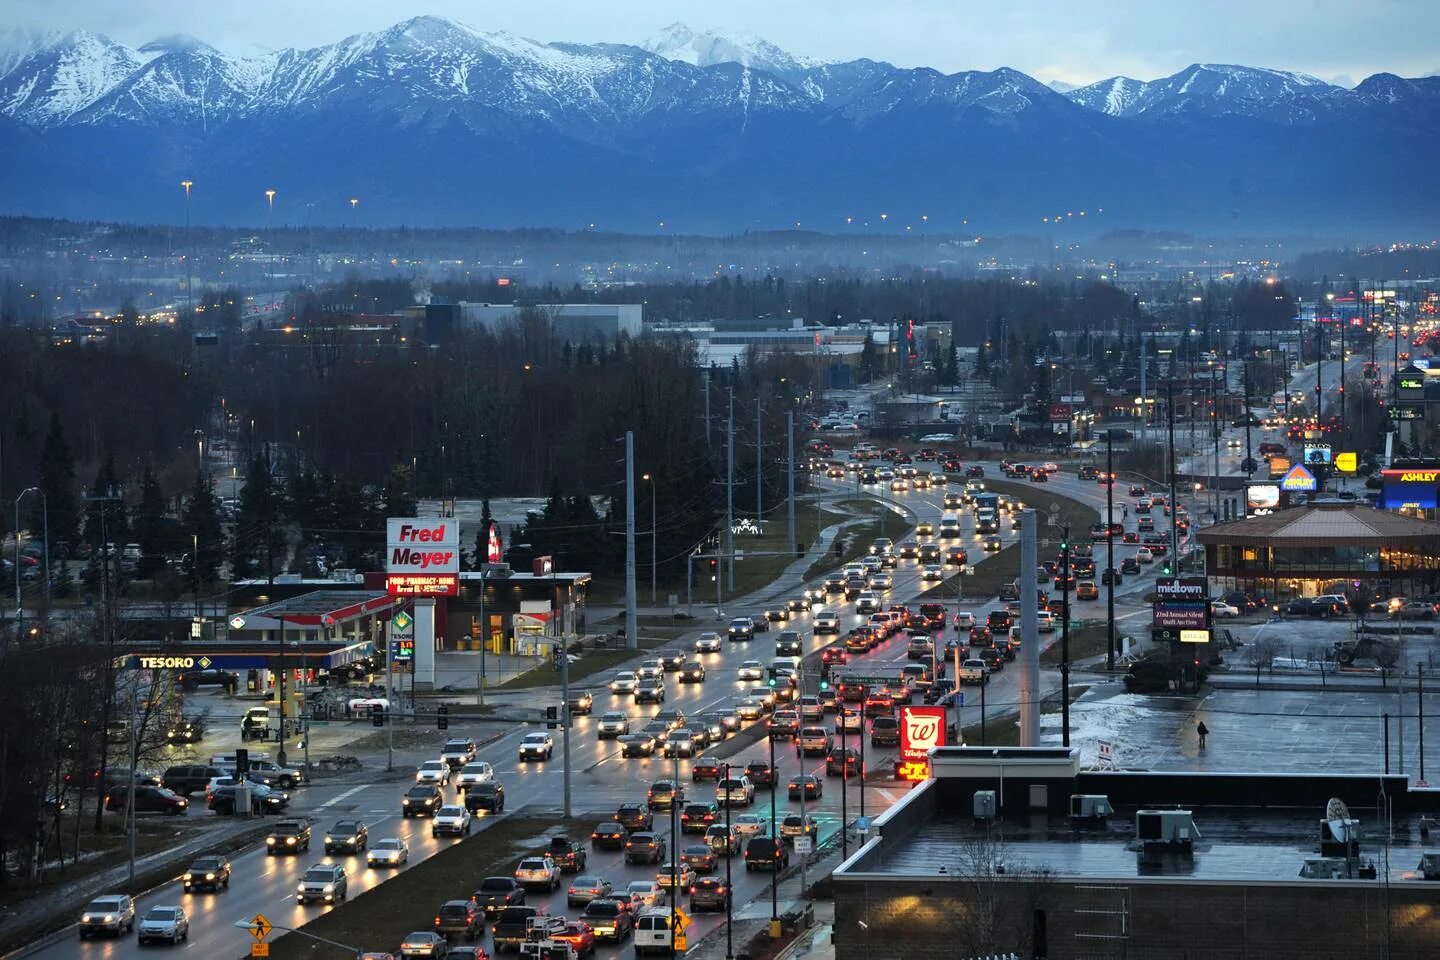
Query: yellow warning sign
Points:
[681, 943]
[682, 919]
[259, 949]
[260, 928]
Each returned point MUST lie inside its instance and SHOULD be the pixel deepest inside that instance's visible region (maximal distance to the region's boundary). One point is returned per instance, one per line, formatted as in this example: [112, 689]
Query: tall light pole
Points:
[269, 229]
[189, 250]
[648, 478]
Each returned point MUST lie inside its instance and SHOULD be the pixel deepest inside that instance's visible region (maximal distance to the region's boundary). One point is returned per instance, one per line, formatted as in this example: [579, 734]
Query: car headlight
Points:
[270, 841]
[300, 888]
[108, 918]
[289, 841]
[209, 876]
[329, 839]
[406, 801]
[328, 888]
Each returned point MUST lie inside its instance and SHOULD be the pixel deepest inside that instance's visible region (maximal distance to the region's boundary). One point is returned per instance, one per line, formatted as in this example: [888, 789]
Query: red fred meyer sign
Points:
[422, 557]
[920, 729]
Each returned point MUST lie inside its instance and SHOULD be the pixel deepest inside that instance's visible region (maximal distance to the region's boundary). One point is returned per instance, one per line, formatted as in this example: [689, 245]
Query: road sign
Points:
[862, 825]
[682, 918]
[804, 844]
[260, 927]
[260, 949]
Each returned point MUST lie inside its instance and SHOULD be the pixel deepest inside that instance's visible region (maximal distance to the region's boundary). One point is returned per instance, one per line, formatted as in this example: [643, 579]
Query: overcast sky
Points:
[1069, 40]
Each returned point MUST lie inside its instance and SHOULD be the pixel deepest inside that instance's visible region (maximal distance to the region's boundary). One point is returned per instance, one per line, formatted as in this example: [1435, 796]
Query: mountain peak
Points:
[176, 43]
[706, 48]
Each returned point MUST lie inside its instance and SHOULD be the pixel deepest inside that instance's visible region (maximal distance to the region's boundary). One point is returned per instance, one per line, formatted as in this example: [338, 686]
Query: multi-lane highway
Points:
[602, 779]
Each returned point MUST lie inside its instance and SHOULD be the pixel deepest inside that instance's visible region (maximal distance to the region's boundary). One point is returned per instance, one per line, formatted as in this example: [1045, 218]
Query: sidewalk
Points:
[752, 919]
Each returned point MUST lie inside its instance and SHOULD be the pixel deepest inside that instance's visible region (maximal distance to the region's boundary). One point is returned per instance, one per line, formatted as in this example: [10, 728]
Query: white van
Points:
[652, 932]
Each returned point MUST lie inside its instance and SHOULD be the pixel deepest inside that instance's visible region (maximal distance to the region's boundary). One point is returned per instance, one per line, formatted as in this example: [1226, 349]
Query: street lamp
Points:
[45, 504]
[189, 285]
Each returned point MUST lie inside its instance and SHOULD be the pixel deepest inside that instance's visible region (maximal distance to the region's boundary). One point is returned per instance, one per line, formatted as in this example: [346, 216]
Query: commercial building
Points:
[571, 321]
[1323, 548]
[1018, 851]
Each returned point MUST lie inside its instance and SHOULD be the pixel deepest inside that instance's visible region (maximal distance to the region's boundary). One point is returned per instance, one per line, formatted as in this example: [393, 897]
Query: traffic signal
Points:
[442, 717]
[377, 716]
[772, 681]
[824, 684]
[552, 718]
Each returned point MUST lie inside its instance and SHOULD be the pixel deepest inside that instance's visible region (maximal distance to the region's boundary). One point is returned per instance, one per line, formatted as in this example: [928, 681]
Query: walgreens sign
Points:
[422, 557]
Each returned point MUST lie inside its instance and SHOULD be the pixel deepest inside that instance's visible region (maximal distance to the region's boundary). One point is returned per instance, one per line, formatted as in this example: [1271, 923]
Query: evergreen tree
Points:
[982, 361]
[257, 546]
[57, 482]
[202, 529]
[116, 525]
[153, 527]
[400, 492]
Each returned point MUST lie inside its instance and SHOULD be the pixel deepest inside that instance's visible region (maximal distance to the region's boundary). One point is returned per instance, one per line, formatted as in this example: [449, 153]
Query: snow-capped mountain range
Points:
[431, 121]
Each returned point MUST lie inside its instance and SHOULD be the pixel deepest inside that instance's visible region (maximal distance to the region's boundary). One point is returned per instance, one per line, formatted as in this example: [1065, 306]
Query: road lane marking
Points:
[341, 796]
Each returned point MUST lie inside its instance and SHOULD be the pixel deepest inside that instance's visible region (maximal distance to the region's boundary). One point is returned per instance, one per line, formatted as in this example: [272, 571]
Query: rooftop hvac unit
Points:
[1323, 868]
[1090, 808]
[984, 805]
[1429, 866]
[1175, 828]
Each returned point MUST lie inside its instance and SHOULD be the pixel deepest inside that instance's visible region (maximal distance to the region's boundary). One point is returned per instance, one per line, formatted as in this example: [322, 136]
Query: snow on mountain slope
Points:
[707, 48]
[1214, 90]
[58, 80]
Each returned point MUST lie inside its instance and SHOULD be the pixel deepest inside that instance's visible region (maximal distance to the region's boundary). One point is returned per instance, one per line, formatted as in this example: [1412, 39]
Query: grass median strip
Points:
[378, 919]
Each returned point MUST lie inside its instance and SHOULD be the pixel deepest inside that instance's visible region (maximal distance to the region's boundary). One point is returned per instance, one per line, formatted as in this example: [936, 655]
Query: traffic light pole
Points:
[1111, 573]
[565, 724]
[729, 856]
[1065, 634]
[774, 835]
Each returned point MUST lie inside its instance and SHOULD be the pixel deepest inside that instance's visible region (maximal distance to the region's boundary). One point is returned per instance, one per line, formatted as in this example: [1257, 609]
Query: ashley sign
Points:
[422, 546]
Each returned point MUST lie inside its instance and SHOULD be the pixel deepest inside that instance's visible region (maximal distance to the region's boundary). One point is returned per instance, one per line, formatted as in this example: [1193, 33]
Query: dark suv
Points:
[459, 918]
[766, 853]
[185, 780]
[635, 816]
[497, 893]
[609, 918]
[421, 801]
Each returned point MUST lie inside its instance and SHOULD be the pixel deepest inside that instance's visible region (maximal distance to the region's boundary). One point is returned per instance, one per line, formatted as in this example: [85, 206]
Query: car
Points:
[389, 852]
[760, 773]
[760, 624]
[710, 642]
[808, 785]
[1087, 590]
[609, 835]
[578, 934]
[698, 816]
[885, 732]
[421, 800]
[740, 629]
[612, 724]
[433, 771]
[644, 847]
[458, 751]
[487, 797]
[496, 893]
[644, 893]
[460, 918]
[585, 888]
[833, 656]
[867, 602]
[450, 820]
[851, 719]
[671, 660]
[964, 620]
[148, 799]
[705, 768]
[737, 790]
[568, 855]
[536, 746]
[112, 913]
[992, 544]
[185, 779]
[635, 816]
[925, 529]
[348, 836]
[751, 825]
[580, 704]
[750, 708]
[474, 773]
[846, 761]
[681, 743]
[169, 922]
[1145, 555]
[1129, 565]
[1219, 608]
[538, 873]
[207, 873]
[678, 877]
[288, 836]
[650, 690]
[932, 573]
[777, 614]
[610, 917]
[766, 853]
[709, 893]
[664, 792]
[1130, 536]
[623, 683]
[827, 621]
[326, 882]
[423, 943]
[1416, 610]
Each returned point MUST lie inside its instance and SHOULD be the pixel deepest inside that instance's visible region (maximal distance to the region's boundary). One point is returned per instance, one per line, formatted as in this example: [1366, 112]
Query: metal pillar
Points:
[729, 497]
[1113, 573]
[631, 629]
[1065, 636]
[1029, 635]
[790, 479]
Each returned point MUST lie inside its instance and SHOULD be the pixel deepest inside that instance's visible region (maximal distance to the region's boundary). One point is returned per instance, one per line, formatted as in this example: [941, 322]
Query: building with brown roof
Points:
[1324, 548]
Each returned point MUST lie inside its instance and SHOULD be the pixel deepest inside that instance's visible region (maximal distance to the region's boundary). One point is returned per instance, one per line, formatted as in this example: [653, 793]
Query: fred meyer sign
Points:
[422, 557]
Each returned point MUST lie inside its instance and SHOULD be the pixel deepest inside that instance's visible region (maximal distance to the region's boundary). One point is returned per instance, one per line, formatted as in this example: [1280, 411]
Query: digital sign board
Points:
[1413, 487]
[1262, 497]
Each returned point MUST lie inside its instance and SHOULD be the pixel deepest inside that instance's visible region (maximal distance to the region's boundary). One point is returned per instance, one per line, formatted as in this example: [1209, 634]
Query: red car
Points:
[833, 655]
[579, 935]
[1130, 538]
[980, 636]
[879, 704]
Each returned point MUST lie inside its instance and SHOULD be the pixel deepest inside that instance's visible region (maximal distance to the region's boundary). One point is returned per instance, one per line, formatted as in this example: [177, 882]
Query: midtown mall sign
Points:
[422, 557]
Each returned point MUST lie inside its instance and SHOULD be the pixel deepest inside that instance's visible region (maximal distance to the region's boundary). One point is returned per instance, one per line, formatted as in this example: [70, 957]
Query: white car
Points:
[882, 581]
[452, 819]
[752, 825]
[538, 872]
[390, 852]
[536, 746]
[867, 602]
[644, 893]
[624, 683]
[163, 923]
[752, 670]
[1045, 621]
[1220, 608]
[612, 724]
[751, 708]
[436, 772]
[964, 620]
[932, 573]
[707, 643]
[827, 621]
[737, 790]
[477, 771]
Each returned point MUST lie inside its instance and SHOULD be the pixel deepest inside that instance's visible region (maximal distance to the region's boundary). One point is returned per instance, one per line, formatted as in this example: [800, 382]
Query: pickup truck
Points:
[512, 926]
[974, 671]
[568, 855]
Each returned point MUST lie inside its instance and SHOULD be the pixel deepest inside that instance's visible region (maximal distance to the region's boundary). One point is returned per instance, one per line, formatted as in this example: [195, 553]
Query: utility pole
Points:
[631, 639]
[107, 628]
[729, 494]
[1174, 506]
[1113, 574]
[565, 698]
[1249, 453]
[1064, 634]
[790, 492]
[759, 468]
[706, 385]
